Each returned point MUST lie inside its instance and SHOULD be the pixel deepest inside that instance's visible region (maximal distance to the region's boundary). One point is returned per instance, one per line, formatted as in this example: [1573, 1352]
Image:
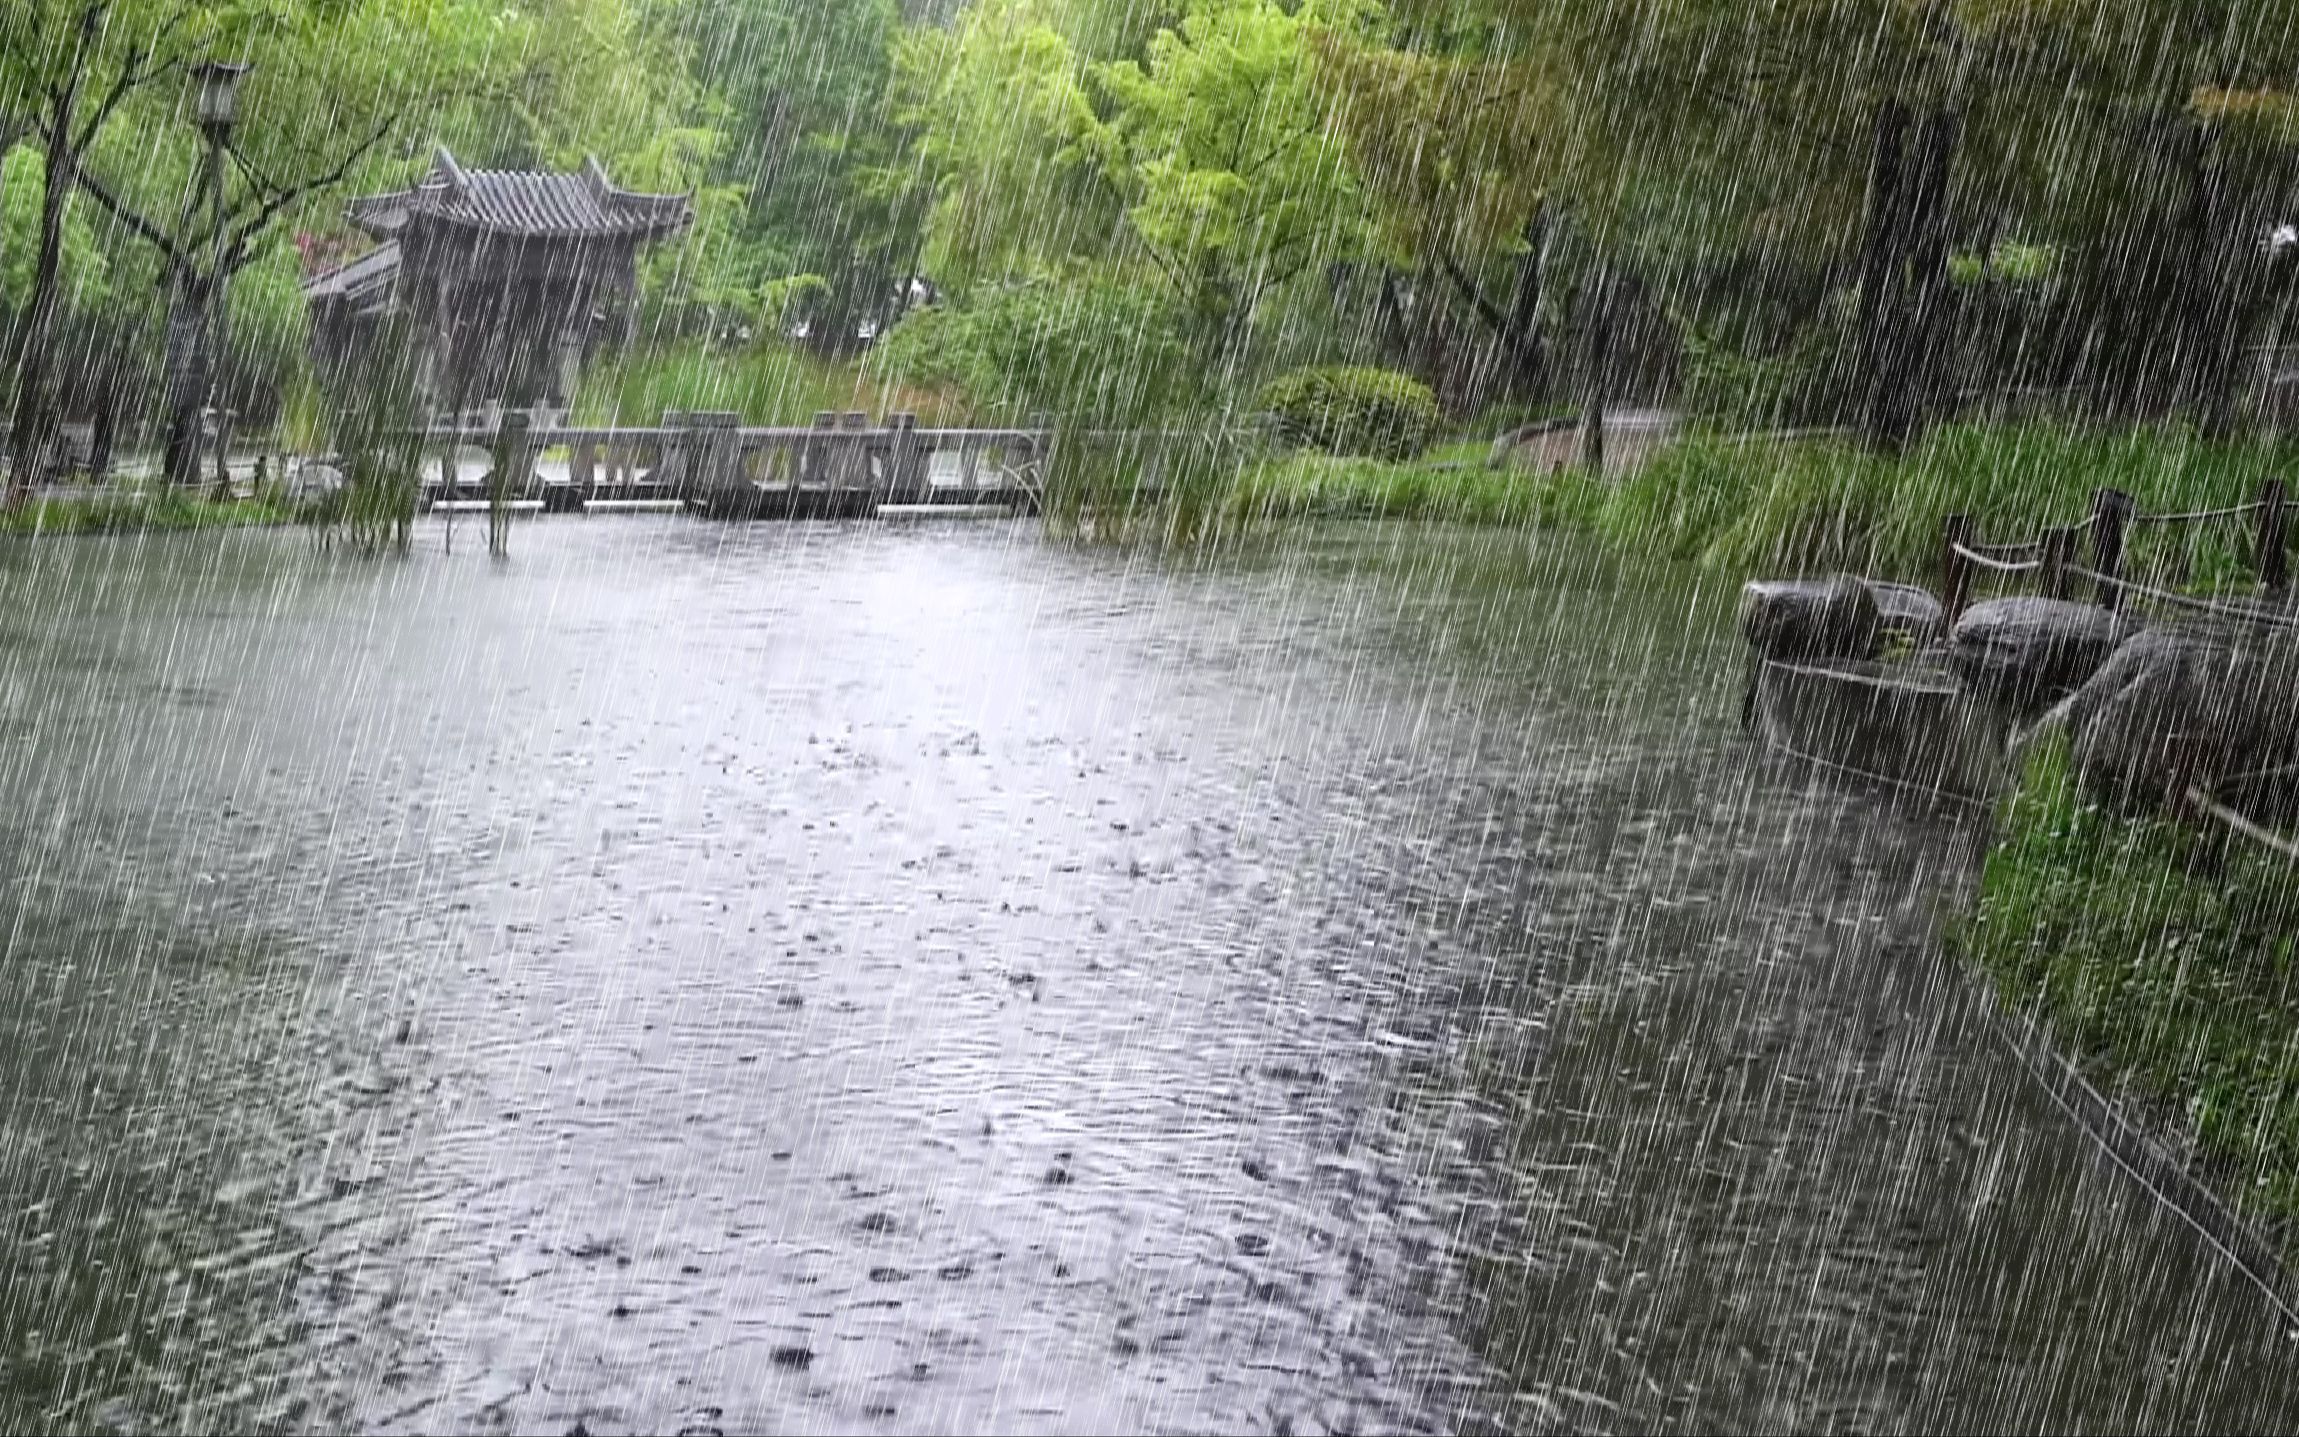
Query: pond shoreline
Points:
[2145, 953]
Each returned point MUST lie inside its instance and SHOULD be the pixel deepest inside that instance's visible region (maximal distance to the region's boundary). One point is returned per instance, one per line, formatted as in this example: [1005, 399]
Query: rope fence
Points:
[2052, 557]
[2001, 566]
[2198, 516]
[2204, 803]
[2260, 617]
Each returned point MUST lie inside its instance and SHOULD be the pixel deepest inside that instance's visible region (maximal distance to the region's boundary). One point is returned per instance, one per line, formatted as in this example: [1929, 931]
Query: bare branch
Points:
[1283, 144]
[140, 68]
[129, 215]
[1518, 342]
[91, 22]
[256, 178]
[237, 252]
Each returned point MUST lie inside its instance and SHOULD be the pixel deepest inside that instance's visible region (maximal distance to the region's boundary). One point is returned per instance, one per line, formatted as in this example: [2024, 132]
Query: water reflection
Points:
[805, 977]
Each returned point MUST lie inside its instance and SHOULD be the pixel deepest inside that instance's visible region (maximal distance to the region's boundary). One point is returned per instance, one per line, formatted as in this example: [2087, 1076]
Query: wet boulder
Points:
[1797, 619]
[2027, 653]
[2215, 708]
[1907, 610]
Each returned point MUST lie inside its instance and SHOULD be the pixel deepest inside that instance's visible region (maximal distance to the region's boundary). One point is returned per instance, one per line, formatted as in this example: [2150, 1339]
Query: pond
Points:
[817, 977]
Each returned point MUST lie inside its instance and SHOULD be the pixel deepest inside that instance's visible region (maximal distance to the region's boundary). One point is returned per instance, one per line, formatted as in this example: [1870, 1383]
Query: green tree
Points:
[332, 83]
[66, 68]
[1453, 151]
[998, 108]
[1219, 144]
[820, 223]
[1205, 157]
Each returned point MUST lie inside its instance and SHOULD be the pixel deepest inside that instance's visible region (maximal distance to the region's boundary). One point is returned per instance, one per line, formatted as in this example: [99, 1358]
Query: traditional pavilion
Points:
[507, 280]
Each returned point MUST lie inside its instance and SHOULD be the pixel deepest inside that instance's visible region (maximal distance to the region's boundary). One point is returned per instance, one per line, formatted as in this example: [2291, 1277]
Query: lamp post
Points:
[217, 108]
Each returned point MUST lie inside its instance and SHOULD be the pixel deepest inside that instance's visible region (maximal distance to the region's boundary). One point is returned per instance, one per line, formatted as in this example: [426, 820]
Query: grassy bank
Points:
[1311, 486]
[1812, 504]
[2167, 963]
[131, 512]
[766, 384]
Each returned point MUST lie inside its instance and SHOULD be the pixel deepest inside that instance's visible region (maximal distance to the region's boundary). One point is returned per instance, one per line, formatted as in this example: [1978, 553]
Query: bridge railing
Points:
[693, 453]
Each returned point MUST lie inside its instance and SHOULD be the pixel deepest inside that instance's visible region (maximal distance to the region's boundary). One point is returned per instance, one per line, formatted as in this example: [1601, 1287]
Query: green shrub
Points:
[1099, 351]
[769, 382]
[1797, 388]
[1353, 410]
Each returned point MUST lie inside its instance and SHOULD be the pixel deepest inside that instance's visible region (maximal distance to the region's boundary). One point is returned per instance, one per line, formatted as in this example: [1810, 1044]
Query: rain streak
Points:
[1074, 716]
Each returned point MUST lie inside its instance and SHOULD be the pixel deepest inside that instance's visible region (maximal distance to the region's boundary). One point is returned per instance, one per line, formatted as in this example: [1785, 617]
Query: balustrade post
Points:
[814, 466]
[905, 467]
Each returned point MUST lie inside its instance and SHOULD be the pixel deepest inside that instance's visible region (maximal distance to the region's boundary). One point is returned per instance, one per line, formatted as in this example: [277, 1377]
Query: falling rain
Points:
[1059, 716]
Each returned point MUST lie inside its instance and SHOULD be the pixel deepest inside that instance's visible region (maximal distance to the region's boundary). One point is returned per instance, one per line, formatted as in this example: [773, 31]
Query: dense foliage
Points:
[1353, 409]
[1880, 213]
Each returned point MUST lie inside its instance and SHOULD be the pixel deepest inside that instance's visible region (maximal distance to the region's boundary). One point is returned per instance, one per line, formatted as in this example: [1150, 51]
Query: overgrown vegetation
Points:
[1817, 504]
[1808, 505]
[768, 382]
[131, 511]
[1089, 350]
[1353, 409]
[381, 453]
[2167, 961]
[1315, 486]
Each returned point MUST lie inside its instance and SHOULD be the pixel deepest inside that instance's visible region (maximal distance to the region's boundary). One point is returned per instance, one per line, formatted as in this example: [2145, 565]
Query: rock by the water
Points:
[1811, 618]
[2026, 653]
[1906, 609]
[2215, 708]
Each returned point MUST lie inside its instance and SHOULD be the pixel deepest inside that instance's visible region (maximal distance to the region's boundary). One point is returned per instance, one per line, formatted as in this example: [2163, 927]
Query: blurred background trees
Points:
[1869, 213]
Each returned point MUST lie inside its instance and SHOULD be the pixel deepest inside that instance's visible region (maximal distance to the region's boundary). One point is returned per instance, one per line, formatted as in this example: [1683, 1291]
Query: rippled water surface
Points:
[880, 978]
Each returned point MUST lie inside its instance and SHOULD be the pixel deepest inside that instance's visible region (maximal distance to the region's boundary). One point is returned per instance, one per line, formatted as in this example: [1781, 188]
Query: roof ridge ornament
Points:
[443, 161]
[595, 175]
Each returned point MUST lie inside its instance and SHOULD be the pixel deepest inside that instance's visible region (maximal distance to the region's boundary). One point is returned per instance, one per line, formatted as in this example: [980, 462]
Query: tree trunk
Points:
[1596, 376]
[1882, 252]
[2214, 313]
[1525, 304]
[1927, 366]
[186, 380]
[1390, 310]
[103, 431]
[33, 423]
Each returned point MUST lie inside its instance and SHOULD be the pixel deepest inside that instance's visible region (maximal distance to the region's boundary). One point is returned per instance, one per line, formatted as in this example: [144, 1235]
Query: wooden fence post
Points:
[2110, 513]
[2274, 537]
[1955, 569]
[2058, 553]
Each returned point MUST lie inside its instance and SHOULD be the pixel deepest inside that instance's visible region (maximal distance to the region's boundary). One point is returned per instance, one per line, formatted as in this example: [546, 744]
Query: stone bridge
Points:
[842, 464]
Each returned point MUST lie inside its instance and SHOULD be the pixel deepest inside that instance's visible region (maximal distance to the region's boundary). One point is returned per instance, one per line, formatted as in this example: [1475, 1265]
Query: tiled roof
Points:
[525, 204]
[363, 284]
